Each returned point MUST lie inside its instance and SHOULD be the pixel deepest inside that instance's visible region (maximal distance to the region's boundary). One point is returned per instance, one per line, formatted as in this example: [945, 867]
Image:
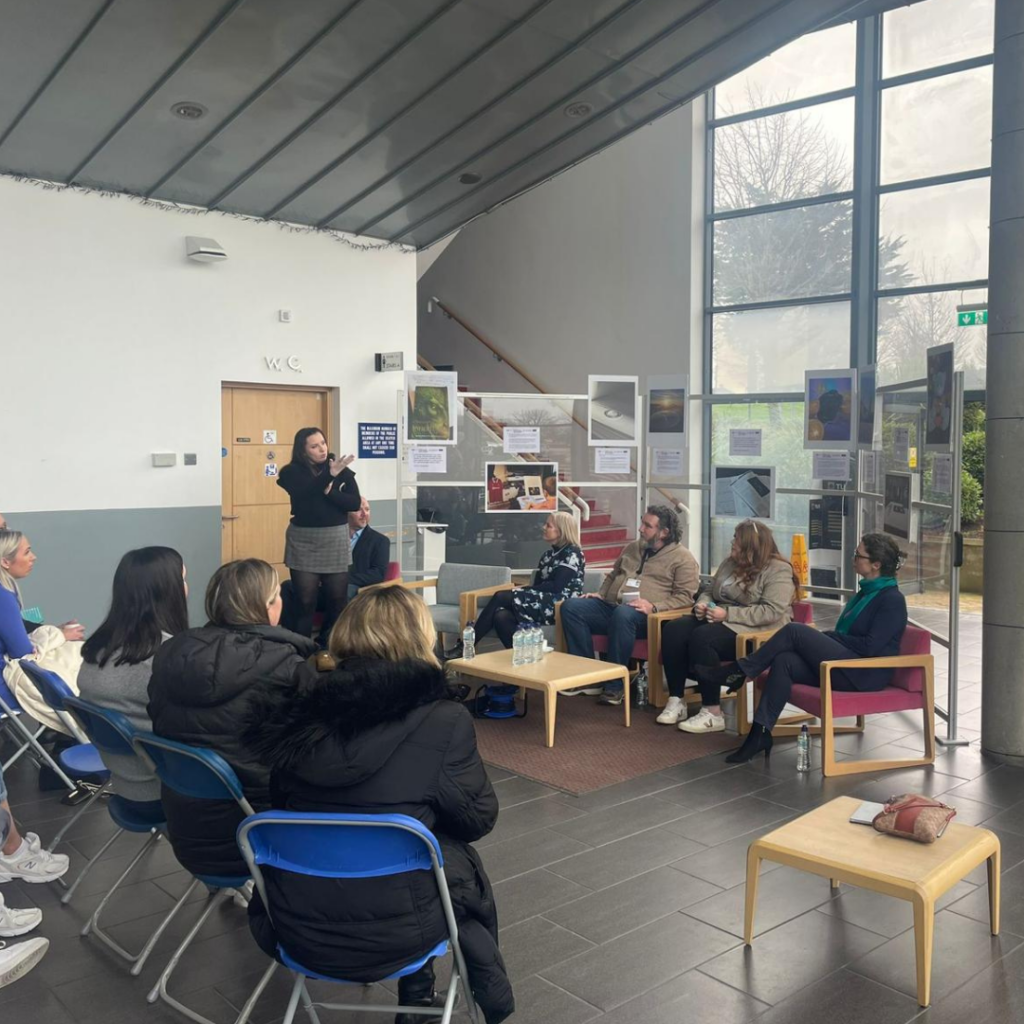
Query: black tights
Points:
[307, 586]
[499, 615]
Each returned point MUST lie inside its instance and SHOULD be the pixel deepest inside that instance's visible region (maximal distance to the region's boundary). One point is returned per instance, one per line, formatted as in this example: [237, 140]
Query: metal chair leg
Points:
[254, 996]
[56, 840]
[88, 867]
[308, 1005]
[463, 976]
[293, 1002]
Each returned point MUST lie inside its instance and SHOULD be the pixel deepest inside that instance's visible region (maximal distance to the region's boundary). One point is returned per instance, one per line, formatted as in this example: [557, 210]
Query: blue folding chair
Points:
[202, 775]
[24, 739]
[352, 846]
[82, 761]
[112, 733]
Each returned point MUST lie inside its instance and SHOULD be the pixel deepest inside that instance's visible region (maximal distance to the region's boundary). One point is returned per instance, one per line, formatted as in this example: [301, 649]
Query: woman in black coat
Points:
[870, 626]
[380, 735]
[199, 694]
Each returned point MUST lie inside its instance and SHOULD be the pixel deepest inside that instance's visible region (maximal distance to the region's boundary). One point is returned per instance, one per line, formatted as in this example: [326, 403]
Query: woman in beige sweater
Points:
[753, 590]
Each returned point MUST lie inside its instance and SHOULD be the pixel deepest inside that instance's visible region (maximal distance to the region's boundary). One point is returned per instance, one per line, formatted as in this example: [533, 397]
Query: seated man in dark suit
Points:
[371, 551]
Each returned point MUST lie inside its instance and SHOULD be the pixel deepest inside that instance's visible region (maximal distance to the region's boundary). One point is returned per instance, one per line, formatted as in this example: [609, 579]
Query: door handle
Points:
[230, 517]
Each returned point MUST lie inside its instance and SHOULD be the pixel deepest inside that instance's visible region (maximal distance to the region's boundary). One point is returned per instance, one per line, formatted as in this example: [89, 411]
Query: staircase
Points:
[601, 539]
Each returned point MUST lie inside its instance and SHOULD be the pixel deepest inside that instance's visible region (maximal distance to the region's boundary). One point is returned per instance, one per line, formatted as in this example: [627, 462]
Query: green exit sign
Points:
[972, 319]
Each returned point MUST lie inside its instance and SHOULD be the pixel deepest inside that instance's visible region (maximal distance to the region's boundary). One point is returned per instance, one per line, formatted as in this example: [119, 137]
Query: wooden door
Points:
[254, 510]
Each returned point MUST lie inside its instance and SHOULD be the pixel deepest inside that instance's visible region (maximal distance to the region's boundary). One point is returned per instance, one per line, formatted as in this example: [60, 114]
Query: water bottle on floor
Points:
[518, 654]
[803, 750]
[469, 641]
[641, 687]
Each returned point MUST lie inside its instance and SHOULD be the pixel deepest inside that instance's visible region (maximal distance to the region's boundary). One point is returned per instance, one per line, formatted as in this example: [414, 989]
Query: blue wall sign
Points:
[378, 440]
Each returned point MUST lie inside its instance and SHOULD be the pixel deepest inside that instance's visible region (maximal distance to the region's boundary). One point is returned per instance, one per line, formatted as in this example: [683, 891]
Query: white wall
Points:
[116, 345]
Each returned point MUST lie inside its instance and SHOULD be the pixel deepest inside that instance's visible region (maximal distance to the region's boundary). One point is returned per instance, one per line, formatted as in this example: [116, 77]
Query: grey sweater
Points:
[123, 688]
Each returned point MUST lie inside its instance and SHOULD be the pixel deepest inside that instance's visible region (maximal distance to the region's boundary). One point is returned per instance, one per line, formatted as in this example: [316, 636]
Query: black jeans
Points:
[689, 642]
[794, 655]
[499, 615]
[306, 586]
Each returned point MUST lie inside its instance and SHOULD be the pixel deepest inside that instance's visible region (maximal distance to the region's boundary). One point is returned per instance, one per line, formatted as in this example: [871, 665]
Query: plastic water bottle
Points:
[518, 652]
[641, 687]
[469, 641]
[536, 644]
[803, 750]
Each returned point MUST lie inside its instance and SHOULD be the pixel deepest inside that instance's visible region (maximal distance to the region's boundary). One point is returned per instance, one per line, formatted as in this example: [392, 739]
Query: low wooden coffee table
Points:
[825, 843]
[556, 672]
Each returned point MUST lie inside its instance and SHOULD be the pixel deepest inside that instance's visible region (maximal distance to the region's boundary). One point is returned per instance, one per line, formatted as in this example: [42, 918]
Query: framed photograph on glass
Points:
[521, 487]
[666, 411]
[896, 512]
[431, 409]
[743, 492]
[939, 421]
[611, 411]
[829, 401]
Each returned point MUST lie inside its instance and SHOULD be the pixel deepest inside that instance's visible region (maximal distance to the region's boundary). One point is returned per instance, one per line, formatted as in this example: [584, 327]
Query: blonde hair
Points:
[239, 593]
[387, 623]
[568, 528]
[10, 541]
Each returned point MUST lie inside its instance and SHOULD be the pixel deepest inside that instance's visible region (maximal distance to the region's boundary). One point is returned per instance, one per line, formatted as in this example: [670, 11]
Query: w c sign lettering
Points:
[280, 362]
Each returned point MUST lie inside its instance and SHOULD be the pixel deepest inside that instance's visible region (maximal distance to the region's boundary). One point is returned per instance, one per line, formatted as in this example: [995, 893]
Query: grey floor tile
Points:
[792, 956]
[718, 789]
[926, 780]
[965, 762]
[515, 790]
[627, 858]
[857, 744]
[604, 915]
[781, 896]
[1011, 912]
[496, 774]
[632, 964]
[528, 817]
[1003, 787]
[803, 791]
[1011, 845]
[729, 820]
[599, 799]
[843, 998]
[882, 914]
[702, 768]
[602, 827]
[534, 850]
[692, 997]
[37, 1008]
[968, 812]
[540, 1002]
[725, 865]
[1011, 819]
[962, 948]
[527, 895]
[994, 996]
[532, 945]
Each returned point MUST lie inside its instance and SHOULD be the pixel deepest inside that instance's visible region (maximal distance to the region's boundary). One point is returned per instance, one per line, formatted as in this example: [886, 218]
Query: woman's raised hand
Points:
[337, 465]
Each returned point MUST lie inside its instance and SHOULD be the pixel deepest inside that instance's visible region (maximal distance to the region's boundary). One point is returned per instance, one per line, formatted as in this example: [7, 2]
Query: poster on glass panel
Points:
[939, 421]
[829, 403]
[612, 410]
[666, 411]
[896, 512]
[743, 492]
[431, 409]
[866, 407]
[521, 487]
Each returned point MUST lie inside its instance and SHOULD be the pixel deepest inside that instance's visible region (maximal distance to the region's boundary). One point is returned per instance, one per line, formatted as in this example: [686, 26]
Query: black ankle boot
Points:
[417, 990]
[758, 739]
[729, 676]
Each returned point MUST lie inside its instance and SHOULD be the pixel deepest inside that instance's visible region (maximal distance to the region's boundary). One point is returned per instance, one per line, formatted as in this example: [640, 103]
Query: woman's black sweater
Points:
[312, 503]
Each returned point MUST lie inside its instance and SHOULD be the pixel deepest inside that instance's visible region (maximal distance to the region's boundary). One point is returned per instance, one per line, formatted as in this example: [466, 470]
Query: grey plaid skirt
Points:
[317, 548]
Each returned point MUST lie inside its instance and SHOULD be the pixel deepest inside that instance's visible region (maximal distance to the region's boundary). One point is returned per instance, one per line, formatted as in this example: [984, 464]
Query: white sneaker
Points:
[577, 691]
[31, 863]
[18, 960]
[673, 712]
[17, 922]
[704, 721]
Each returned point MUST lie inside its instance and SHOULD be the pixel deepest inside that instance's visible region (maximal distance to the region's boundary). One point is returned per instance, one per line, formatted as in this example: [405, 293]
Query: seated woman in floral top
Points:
[559, 576]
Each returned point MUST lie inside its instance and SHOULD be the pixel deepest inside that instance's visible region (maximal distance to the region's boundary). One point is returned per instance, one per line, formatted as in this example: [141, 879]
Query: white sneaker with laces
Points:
[704, 721]
[17, 922]
[16, 961]
[673, 713]
[31, 863]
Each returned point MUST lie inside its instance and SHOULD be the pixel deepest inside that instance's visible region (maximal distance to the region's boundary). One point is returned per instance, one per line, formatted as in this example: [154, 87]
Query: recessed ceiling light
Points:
[188, 111]
[577, 110]
[470, 178]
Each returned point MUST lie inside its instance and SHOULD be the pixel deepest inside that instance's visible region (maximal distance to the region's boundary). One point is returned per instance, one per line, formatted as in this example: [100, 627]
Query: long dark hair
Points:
[883, 549]
[757, 548]
[148, 600]
[299, 456]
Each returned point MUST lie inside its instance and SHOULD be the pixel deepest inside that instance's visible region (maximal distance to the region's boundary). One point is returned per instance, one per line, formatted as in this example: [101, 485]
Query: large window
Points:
[847, 217]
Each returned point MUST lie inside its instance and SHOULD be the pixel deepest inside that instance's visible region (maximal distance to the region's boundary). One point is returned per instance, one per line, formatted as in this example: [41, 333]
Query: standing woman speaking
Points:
[317, 552]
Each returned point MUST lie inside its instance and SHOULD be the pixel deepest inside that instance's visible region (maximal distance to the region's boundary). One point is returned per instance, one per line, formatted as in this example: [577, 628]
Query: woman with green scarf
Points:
[870, 626]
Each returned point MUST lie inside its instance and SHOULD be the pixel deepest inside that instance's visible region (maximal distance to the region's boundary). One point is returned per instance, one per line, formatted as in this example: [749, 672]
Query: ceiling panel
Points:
[359, 114]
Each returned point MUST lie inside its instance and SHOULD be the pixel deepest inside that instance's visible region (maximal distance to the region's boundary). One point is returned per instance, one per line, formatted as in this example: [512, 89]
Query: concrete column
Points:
[1002, 725]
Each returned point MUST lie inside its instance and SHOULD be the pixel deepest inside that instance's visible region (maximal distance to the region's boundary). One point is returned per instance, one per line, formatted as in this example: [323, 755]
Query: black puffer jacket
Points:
[382, 737]
[199, 693]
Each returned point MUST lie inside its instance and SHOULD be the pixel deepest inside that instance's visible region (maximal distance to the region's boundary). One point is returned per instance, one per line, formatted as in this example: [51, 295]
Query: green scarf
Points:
[869, 590]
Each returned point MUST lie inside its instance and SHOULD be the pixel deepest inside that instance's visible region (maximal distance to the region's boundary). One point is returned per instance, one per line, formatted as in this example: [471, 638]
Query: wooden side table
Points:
[556, 672]
[824, 842]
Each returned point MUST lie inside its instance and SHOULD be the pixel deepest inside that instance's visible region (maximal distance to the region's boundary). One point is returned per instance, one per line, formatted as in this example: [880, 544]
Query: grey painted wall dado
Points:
[77, 553]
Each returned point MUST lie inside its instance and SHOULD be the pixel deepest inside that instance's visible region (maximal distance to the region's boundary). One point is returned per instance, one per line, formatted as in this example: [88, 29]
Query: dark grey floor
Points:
[624, 905]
